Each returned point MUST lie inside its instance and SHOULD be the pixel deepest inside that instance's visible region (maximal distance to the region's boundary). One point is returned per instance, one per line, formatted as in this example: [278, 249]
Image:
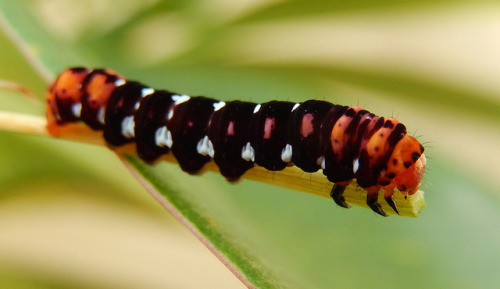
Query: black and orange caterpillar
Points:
[345, 142]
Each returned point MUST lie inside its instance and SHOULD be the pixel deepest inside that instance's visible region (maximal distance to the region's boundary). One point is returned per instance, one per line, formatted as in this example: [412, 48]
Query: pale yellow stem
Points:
[292, 177]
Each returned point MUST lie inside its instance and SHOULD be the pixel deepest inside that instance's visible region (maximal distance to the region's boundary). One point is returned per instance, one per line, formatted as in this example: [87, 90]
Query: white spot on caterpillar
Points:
[286, 154]
[355, 165]
[76, 109]
[137, 104]
[295, 106]
[170, 140]
[100, 114]
[321, 162]
[211, 152]
[147, 91]
[248, 153]
[120, 82]
[178, 99]
[128, 126]
[257, 108]
[163, 137]
[170, 113]
[205, 147]
[219, 105]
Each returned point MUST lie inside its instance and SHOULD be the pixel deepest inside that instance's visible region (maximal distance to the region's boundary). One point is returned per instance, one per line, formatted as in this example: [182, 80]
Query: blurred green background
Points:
[72, 216]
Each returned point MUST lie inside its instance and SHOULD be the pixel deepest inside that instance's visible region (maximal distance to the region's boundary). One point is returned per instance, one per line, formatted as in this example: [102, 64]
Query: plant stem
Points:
[292, 177]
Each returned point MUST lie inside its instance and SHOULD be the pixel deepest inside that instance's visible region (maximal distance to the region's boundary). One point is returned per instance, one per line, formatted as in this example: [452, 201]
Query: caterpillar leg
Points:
[371, 201]
[388, 193]
[336, 194]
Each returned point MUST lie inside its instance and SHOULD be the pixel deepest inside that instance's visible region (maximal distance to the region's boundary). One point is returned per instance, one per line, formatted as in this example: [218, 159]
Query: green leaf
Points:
[271, 236]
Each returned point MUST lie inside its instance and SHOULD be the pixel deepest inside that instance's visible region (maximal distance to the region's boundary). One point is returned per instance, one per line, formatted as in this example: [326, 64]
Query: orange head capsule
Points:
[405, 167]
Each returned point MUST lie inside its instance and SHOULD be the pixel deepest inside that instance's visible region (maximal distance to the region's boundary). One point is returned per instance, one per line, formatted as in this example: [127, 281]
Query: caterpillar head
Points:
[405, 167]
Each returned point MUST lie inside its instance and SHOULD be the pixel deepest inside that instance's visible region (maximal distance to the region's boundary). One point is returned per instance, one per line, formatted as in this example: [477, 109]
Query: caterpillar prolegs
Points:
[346, 143]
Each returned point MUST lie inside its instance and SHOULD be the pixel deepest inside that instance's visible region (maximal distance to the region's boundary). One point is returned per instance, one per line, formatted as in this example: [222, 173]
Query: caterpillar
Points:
[346, 143]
